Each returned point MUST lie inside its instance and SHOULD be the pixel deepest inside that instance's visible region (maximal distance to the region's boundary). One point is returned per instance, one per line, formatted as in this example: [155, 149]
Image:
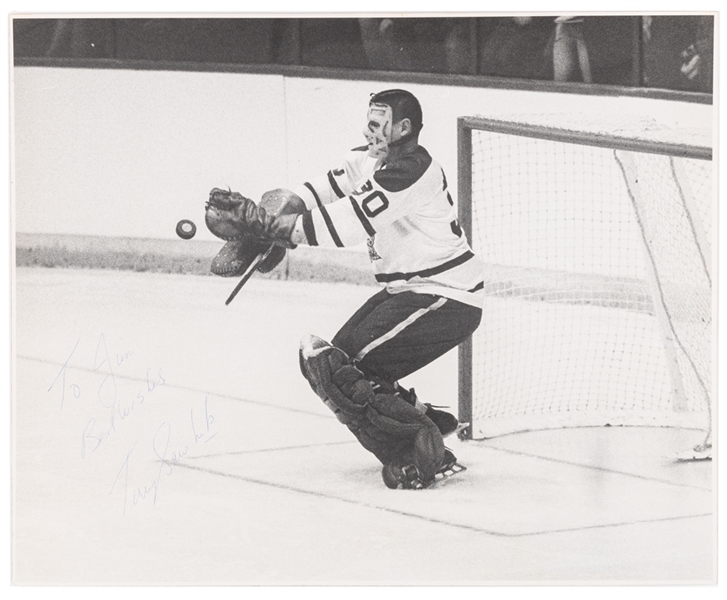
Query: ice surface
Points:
[179, 444]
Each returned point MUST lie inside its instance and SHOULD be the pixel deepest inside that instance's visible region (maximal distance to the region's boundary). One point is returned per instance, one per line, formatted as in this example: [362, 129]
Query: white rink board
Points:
[147, 146]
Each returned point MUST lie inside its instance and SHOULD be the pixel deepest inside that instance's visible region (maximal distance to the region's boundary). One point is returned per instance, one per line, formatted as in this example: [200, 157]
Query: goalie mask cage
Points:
[598, 289]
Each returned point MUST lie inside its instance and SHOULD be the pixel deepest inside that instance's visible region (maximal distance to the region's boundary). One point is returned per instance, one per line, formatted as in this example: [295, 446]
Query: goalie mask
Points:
[377, 132]
[386, 110]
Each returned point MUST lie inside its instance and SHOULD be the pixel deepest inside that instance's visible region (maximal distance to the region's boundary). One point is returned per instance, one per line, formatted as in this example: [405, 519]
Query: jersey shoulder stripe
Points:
[315, 194]
[450, 264]
[403, 172]
[334, 185]
[360, 149]
[309, 229]
[326, 217]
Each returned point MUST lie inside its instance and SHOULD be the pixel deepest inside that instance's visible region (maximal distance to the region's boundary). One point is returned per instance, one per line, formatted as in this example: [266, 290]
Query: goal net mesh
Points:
[598, 303]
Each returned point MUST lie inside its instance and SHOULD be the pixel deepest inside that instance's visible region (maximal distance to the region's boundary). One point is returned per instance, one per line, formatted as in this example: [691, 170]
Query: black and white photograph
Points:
[364, 299]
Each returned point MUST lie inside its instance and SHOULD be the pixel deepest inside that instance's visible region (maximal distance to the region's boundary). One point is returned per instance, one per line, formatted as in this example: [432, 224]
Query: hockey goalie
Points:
[393, 195]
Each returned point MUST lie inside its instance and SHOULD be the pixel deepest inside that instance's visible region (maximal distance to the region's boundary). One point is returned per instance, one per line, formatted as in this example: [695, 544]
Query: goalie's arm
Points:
[386, 197]
[345, 222]
[336, 183]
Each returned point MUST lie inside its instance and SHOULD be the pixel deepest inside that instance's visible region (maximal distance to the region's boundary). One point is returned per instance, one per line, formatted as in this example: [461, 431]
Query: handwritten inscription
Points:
[94, 435]
[149, 489]
[105, 390]
[62, 374]
[138, 489]
[204, 433]
[115, 407]
[93, 377]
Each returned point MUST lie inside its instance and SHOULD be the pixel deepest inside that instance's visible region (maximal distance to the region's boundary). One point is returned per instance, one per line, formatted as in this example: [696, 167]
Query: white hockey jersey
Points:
[405, 211]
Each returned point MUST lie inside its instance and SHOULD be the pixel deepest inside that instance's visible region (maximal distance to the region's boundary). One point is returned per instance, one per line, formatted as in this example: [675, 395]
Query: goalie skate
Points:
[443, 474]
[460, 428]
[407, 478]
[446, 423]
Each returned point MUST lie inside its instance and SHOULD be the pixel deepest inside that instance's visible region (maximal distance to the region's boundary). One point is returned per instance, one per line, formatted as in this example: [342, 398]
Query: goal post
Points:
[598, 286]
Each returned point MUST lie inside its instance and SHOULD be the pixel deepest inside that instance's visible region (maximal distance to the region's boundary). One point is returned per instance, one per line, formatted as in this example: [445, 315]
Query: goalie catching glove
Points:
[232, 217]
[237, 220]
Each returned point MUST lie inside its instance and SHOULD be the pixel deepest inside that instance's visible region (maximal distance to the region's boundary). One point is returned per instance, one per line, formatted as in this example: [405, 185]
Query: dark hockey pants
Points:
[394, 335]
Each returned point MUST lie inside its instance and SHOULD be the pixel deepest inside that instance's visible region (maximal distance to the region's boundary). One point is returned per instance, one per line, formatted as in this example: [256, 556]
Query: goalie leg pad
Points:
[319, 361]
[385, 424]
[427, 453]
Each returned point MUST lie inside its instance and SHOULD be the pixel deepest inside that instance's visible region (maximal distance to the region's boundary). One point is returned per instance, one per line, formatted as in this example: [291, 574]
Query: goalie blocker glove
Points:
[233, 217]
[223, 218]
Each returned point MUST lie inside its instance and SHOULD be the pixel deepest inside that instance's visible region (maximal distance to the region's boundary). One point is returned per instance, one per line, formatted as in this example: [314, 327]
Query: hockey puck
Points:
[186, 229]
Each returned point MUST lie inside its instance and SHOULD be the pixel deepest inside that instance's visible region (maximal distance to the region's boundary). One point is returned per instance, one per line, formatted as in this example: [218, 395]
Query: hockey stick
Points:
[248, 273]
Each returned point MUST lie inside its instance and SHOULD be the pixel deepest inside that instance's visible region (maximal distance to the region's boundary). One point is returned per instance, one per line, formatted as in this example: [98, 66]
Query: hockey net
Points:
[598, 288]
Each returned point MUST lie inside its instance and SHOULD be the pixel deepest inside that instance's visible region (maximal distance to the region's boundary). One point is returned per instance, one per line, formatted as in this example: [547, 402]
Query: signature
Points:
[208, 421]
[150, 489]
[91, 373]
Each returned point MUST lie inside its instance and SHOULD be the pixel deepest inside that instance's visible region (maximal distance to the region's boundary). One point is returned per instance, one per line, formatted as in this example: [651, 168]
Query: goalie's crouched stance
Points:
[407, 442]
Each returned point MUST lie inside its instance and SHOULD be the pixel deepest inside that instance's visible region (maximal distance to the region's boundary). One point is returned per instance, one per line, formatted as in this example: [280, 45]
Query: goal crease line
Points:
[430, 519]
[172, 386]
[601, 469]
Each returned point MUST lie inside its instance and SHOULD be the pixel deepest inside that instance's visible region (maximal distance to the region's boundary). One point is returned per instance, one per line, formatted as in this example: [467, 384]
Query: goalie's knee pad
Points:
[384, 423]
[340, 385]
